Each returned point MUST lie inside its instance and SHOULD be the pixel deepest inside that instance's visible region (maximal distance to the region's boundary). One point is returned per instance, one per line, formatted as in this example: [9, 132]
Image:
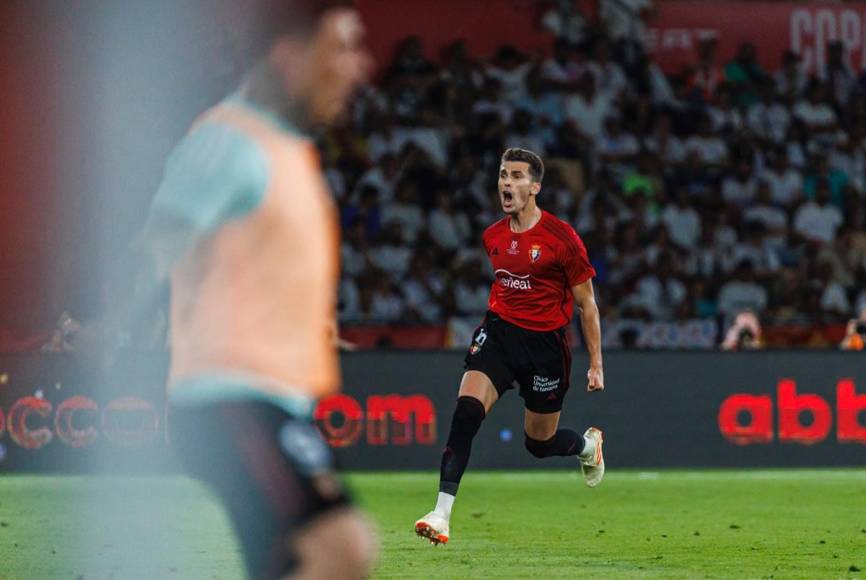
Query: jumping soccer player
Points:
[541, 268]
[245, 229]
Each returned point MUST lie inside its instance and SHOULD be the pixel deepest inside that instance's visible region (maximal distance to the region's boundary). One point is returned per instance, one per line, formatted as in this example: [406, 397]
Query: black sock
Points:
[565, 442]
[464, 425]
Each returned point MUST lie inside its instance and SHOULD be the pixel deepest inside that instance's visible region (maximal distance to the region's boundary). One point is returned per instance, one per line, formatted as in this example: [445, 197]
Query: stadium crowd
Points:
[699, 195]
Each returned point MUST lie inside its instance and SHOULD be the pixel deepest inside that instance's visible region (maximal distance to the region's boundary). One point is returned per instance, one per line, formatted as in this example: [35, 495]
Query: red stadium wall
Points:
[484, 24]
[804, 27]
[673, 32]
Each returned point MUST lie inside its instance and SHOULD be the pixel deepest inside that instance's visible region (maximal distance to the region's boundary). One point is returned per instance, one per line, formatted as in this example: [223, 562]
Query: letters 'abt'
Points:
[746, 419]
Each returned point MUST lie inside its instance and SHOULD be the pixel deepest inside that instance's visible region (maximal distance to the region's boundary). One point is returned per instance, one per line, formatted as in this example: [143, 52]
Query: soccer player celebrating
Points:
[244, 228]
[541, 269]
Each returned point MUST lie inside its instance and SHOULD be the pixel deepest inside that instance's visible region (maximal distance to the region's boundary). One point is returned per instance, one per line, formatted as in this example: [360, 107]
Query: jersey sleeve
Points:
[575, 260]
[215, 174]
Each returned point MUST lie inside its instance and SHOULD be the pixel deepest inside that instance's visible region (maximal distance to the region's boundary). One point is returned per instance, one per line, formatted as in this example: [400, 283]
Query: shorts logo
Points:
[478, 342]
[544, 384]
[513, 248]
[535, 253]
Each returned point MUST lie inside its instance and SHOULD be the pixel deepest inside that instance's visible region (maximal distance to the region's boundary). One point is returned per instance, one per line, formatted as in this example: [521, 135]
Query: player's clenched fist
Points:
[595, 378]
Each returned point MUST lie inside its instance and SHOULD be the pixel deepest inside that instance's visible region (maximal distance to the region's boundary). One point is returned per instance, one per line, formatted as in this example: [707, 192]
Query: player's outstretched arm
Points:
[591, 324]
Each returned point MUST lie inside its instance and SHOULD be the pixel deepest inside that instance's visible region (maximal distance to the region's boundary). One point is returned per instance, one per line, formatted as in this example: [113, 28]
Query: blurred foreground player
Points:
[244, 227]
[541, 268]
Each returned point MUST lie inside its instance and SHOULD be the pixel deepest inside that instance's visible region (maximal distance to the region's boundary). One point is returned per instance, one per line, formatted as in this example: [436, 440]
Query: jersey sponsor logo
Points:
[513, 281]
[535, 253]
[512, 249]
[543, 384]
[479, 341]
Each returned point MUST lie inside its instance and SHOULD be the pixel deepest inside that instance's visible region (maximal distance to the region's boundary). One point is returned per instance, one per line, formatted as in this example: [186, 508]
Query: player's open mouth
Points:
[506, 196]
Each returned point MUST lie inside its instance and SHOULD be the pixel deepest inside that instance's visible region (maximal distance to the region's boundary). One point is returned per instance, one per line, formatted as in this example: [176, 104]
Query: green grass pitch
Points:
[534, 524]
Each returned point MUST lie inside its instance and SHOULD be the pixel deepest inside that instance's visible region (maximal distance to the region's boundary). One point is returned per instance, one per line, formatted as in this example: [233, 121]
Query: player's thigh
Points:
[478, 385]
[540, 426]
[272, 471]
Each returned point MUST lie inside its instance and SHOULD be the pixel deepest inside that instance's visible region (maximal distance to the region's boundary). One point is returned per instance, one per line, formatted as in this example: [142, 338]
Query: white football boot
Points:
[434, 527]
[593, 467]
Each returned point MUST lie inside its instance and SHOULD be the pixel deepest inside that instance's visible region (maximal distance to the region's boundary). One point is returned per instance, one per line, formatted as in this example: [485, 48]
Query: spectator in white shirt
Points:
[391, 254]
[448, 227]
[424, 290]
[587, 108]
[472, 289]
[661, 292]
[523, 133]
[834, 299]
[666, 146]
[739, 189]
[386, 305]
[768, 118]
[785, 182]
[742, 293]
[726, 118]
[383, 140]
[510, 68]
[563, 69]
[609, 76]
[383, 176]
[710, 148]
[818, 220]
[617, 148]
[565, 20]
[772, 217]
[492, 102]
[355, 249]
[378, 301]
[682, 220]
[791, 80]
[404, 209]
[814, 111]
[756, 250]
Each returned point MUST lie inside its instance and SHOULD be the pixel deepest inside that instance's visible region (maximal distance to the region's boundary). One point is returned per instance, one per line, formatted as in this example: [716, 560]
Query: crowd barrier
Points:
[660, 409]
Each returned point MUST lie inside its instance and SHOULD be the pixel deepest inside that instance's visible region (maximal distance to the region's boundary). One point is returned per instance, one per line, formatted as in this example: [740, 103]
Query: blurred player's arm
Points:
[590, 321]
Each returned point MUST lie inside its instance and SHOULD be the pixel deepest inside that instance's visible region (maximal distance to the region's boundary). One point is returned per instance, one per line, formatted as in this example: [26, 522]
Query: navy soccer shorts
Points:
[538, 363]
[273, 472]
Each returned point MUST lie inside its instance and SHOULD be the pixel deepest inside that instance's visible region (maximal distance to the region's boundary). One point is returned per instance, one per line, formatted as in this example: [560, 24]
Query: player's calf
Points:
[564, 443]
[465, 423]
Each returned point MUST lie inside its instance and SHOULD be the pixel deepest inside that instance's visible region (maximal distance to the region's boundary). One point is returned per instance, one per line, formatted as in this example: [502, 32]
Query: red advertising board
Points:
[772, 27]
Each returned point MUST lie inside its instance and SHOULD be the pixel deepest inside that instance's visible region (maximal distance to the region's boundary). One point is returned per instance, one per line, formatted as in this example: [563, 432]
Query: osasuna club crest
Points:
[478, 342]
[535, 252]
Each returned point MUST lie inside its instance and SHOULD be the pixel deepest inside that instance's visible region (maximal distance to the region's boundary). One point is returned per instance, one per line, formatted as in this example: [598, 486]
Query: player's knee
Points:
[468, 415]
[338, 545]
[540, 449]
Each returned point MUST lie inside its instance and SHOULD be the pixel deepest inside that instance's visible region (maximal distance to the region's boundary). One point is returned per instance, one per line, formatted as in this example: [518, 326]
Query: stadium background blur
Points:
[695, 181]
[694, 167]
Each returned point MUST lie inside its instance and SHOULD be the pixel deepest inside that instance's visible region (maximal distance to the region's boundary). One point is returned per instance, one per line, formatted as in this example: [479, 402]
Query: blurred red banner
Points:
[772, 27]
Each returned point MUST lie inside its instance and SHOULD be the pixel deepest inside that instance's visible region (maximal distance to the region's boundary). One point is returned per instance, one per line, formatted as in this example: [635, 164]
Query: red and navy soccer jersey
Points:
[535, 271]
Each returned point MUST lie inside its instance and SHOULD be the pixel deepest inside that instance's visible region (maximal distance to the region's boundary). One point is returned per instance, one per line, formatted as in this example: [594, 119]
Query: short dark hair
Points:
[536, 166]
[263, 22]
